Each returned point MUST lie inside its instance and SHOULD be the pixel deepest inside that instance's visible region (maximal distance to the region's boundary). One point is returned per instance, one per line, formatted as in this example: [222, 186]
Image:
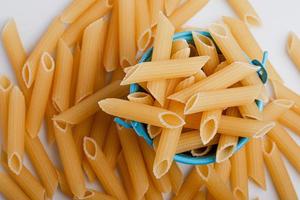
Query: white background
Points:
[279, 17]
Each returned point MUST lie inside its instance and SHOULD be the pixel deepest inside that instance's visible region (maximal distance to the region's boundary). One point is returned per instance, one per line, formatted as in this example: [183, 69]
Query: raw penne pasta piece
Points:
[141, 97]
[127, 36]
[40, 94]
[111, 60]
[74, 10]
[277, 108]
[76, 63]
[27, 182]
[184, 53]
[46, 44]
[118, 74]
[224, 78]
[49, 113]
[186, 11]
[88, 170]
[163, 184]
[200, 195]
[88, 106]
[209, 125]
[190, 186]
[171, 6]
[201, 151]
[92, 44]
[293, 48]
[176, 177]
[153, 131]
[162, 48]
[219, 99]
[15, 51]
[214, 183]
[278, 171]
[155, 6]
[63, 184]
[153, 192]
[143, 27]
[245, 11]
[16, 130]
[5, 88]
[255, 162]
[290, 119]
[191, 140]
[104, 172]
[100, 127]
[223, 169]
[112, 146]
[141, 113]
[236, 126]
[222, 65]
[206, 47]
[134, 159]
[94, 195]
[94, 12]
[166, 69]
[193, 121]
[282, 92]
[250, 111]
[248, 43]
[62, 77]
[178, 45]
[42, 164]
[69, 158]
[10, 189]
[194, 51]
[239, 176]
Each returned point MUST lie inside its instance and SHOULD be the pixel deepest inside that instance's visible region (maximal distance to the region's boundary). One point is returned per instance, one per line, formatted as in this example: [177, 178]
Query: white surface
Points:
[279, 17]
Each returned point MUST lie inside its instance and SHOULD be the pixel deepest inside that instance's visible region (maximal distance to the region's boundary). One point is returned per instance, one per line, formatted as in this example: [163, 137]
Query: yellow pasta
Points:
[293, 48]
[155, 6]
[16, 130]
[127, 36]
[171, 6]
[226, 147]
[15, 51]
[74, 10]
[219, 99]
[49, 113]
[201, 195]
[278, 171]
[10, 189]
[143, 27]
[112, 146]
[62, 77]
[201, 151]
[162, 48]
[219, 80]
[248, 43]
[134, 160]
[277, 108]
[69, 158]
[184, 53]
[206, 47]
[224, 170]
[239, 177]
[160, 70]
[76, 62]
[141, 113]
[63, 184]
[176, 177]
[40, 94]
[88, 106]
[94, 195]
[153, 131]
[100, 127]
[46, 44]
[178, 45]
[245, 11]
[104, 172]
[94, 12]
[214, 183]
[209, 125]
[88, 170]
[153, 192]
[141, 97]
[290, 119]
[250, 111]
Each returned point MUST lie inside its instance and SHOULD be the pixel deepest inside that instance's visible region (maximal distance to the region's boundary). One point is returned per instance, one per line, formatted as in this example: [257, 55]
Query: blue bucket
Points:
[141, 130]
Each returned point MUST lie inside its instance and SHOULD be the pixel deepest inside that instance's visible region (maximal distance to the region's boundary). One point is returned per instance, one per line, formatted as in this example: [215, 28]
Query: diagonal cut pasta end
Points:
[291, 41]
[252, 20]
[190, 104]
[153, 131]
[27, 75]
[144, 40]
[264, 130]
[208, 129]
[238, 193]
[5, 84]
[90, 148]
[171, 120]
[204, 171]
[225, 152]
[161, 168]
[201, 151]
[15, 163]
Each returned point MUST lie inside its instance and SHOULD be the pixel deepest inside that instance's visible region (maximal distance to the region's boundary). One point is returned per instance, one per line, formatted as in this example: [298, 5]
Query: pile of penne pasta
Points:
[197, 98]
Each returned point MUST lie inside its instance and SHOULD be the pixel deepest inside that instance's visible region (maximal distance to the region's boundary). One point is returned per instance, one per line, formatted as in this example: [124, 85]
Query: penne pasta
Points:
[290, 119]
[16, 52]
[278, 171]
[153, 192]
[134, 111]
[171, 6]
[201, 151]
[134, 159]
[49, 113]
[88, 106]
[239, 176]
[141, 97]
[74, 10]
[112, 146]
[155, 7]
[70, 159]
[184, 53]
[206, 47]
[219, 80]
[63, 184]
[88, 170]
[127, 36]
[153, 131]
[245, 11]
[97, 10]
[176, 177]
[46, 44]
[76, 63]
[16, 130]
[178, 45]
[40, 94]
[255, 163]
[248, 43]
[162, 48]
[160, 70]
[209, 125]
[277, 108]
[110, 182]
[10, 189]
[214, 183]
[219, 99]
[5, 88]
[226, 147]
[62, 77]
[143, 27]
[250, 111]
[118, 74]
[111, 60]
[293, 48]
[94, 195]
[100, 127]
[223, 169]
[201, 195]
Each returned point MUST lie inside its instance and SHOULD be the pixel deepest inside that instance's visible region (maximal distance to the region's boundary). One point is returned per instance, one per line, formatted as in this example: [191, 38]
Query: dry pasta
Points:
[100, 127]
[277, 108]
[171, 6]
[293, 48]
[141, 97]
[94, 195]
[153, 192]
[155, 6]
[176, 177]
[209, 125]
[74, 10]
[112, 146]
[290, 119]
[63, 184]
[201, 151]
[143, 27]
